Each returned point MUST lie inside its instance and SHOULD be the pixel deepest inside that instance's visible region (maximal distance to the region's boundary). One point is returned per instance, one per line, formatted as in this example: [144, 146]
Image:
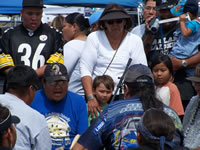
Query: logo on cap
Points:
[55, 70]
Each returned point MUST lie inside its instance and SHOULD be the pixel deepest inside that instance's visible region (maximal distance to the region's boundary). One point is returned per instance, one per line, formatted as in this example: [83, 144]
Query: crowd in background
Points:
[100, 83]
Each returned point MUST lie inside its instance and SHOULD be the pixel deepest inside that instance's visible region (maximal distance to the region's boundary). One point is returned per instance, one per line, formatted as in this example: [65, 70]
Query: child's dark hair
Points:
[145, 1]
[105, 79]
[79, 19]
[163, 59]
[192, 7]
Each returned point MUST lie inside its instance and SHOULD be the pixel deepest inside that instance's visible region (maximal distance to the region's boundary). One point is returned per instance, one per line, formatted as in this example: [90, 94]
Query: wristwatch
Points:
[90, 97]
[184, 63]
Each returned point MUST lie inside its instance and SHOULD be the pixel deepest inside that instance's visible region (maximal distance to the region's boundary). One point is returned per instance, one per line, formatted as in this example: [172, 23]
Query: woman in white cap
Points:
[8, 134]
[108, 50]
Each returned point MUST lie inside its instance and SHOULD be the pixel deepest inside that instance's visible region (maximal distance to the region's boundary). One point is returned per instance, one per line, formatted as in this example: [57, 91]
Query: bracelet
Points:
[90, 97]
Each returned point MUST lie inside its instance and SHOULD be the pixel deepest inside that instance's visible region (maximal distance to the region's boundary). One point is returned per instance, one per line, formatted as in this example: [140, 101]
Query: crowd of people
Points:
[99, 83]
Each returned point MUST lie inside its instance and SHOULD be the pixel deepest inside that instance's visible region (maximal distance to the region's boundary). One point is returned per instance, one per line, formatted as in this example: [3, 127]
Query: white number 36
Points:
[37, 58]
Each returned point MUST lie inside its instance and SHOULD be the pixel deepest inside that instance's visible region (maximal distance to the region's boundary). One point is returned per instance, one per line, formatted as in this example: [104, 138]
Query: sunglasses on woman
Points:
[117, 21]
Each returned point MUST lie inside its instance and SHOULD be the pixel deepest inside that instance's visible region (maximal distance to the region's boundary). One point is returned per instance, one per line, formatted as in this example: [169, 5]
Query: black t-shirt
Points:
[169, 38]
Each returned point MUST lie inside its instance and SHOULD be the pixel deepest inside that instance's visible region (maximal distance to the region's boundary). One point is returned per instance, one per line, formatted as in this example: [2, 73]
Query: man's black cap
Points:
[55, 72]
[33, 3]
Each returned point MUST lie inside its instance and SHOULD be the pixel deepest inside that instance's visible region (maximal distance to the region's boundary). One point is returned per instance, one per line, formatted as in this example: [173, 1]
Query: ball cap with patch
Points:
[33, 3]
[6, 123]
[196, 77]
[136, 71]
[55, 72]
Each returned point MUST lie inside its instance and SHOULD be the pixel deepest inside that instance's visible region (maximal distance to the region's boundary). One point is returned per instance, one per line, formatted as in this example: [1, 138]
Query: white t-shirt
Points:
[72, 54]
[97, 54]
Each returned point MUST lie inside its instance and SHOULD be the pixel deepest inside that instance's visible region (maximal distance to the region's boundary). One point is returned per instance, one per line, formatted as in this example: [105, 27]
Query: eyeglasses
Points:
[117, 21]
[61, 83]
[150, 8]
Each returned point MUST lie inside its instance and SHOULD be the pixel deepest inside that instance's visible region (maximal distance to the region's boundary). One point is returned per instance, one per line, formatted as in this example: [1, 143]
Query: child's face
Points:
[161, 74]
[103, 94]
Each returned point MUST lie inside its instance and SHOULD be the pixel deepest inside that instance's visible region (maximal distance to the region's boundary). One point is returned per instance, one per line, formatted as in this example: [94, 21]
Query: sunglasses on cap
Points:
[117, 21]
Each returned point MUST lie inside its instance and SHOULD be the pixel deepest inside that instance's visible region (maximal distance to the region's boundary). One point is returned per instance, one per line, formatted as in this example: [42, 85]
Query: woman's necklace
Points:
[121, 39]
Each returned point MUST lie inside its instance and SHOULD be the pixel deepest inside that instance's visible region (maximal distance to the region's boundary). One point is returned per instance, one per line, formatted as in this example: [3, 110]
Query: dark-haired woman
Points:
[155, 131]
[107, 50]
[74, 31]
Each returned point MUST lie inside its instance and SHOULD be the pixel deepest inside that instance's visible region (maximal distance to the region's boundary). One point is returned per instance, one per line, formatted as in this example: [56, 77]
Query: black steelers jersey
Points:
[30, 48]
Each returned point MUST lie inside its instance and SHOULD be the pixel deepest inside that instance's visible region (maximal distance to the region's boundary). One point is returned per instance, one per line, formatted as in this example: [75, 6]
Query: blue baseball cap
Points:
[94, 17]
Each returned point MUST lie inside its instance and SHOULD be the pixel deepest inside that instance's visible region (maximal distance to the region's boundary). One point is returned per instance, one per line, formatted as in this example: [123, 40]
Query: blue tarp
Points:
[10, 6]
[93, 3]
[14, 6]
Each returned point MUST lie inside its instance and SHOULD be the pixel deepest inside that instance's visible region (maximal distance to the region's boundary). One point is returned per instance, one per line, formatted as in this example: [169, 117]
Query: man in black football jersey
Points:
[32, 43]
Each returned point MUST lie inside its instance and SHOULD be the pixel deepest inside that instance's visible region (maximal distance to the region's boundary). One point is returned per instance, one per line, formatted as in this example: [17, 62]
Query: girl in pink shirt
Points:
[166, 91]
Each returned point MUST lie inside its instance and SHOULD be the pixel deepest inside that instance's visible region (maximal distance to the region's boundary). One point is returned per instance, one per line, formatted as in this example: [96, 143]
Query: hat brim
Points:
[114, 15]
[56, 78]
[15, 119]
[194, 78]
[8, 121]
